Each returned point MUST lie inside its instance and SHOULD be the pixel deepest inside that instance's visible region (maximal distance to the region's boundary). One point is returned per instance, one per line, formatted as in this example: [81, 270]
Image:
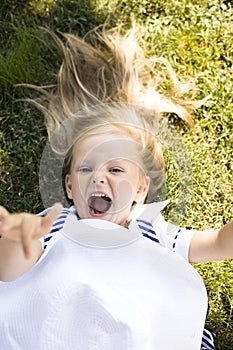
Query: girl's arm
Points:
[212, 245]
[19, 243]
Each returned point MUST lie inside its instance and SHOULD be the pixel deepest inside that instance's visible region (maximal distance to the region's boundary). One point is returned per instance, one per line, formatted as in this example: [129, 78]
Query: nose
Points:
[99, 177]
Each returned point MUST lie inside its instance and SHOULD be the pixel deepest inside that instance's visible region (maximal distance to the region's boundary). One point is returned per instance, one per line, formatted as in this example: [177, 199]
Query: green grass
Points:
[197, 38]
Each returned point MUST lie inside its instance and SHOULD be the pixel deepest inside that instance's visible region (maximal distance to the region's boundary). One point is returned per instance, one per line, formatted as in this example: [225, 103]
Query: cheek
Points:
[80, 186]
[128, 185]
[124, 194]
[78, 191]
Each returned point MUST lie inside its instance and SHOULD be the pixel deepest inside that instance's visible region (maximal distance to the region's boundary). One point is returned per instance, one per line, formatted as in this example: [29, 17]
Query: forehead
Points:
[103, 148]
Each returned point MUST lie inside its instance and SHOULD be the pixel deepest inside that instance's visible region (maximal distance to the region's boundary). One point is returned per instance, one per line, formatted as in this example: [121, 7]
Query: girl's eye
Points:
[116, 170]
[84, 170]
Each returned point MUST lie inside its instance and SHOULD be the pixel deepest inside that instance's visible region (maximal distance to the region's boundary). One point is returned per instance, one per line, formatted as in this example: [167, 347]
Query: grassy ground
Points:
[197, 38]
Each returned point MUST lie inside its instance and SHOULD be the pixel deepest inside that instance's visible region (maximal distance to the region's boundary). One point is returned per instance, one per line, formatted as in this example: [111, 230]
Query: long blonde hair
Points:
[106, 79]
[112, 68]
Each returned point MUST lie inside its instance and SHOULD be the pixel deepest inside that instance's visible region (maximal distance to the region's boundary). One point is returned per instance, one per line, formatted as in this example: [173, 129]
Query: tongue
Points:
[100, 204]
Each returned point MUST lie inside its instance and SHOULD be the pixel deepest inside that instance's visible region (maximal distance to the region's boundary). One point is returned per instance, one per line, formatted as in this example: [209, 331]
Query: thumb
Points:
[50, 217]
[3, 213]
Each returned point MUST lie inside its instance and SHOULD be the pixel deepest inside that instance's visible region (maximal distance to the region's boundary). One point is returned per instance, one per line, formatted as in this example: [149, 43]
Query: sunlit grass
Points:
[42, 6]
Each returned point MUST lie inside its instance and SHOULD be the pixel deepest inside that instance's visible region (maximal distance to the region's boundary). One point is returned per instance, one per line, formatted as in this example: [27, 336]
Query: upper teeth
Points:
[99, 195]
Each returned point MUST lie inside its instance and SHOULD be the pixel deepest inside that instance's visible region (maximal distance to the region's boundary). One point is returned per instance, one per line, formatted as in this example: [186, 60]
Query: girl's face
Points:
[106, 178]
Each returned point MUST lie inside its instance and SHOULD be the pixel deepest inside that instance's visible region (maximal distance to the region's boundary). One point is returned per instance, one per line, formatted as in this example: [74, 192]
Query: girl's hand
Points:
[25, 227]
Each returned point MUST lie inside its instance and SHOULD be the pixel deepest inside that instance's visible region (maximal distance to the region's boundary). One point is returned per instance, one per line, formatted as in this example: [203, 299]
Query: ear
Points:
[143, 188]
[68, 184]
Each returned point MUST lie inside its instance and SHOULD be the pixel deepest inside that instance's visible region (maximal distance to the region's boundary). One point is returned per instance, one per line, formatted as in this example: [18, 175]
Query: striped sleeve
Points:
[208, 340]
[57, 225]
[173, 237]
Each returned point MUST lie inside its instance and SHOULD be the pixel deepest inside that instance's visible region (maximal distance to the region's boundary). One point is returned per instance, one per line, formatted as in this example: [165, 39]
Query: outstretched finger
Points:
[28, 228]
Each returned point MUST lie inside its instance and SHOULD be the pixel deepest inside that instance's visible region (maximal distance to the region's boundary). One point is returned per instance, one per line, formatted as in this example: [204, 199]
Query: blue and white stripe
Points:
[147, 230]
[58, 224]
[208, 340]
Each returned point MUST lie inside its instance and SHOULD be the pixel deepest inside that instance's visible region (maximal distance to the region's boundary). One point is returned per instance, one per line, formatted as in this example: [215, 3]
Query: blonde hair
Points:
[108, 84]
[112, 68]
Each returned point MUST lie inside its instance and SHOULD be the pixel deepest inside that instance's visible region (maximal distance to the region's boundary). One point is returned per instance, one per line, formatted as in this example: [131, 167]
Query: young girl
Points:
[113, 162]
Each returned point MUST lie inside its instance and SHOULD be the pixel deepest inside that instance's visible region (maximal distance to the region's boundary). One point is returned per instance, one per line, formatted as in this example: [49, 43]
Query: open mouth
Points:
[99, 203]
